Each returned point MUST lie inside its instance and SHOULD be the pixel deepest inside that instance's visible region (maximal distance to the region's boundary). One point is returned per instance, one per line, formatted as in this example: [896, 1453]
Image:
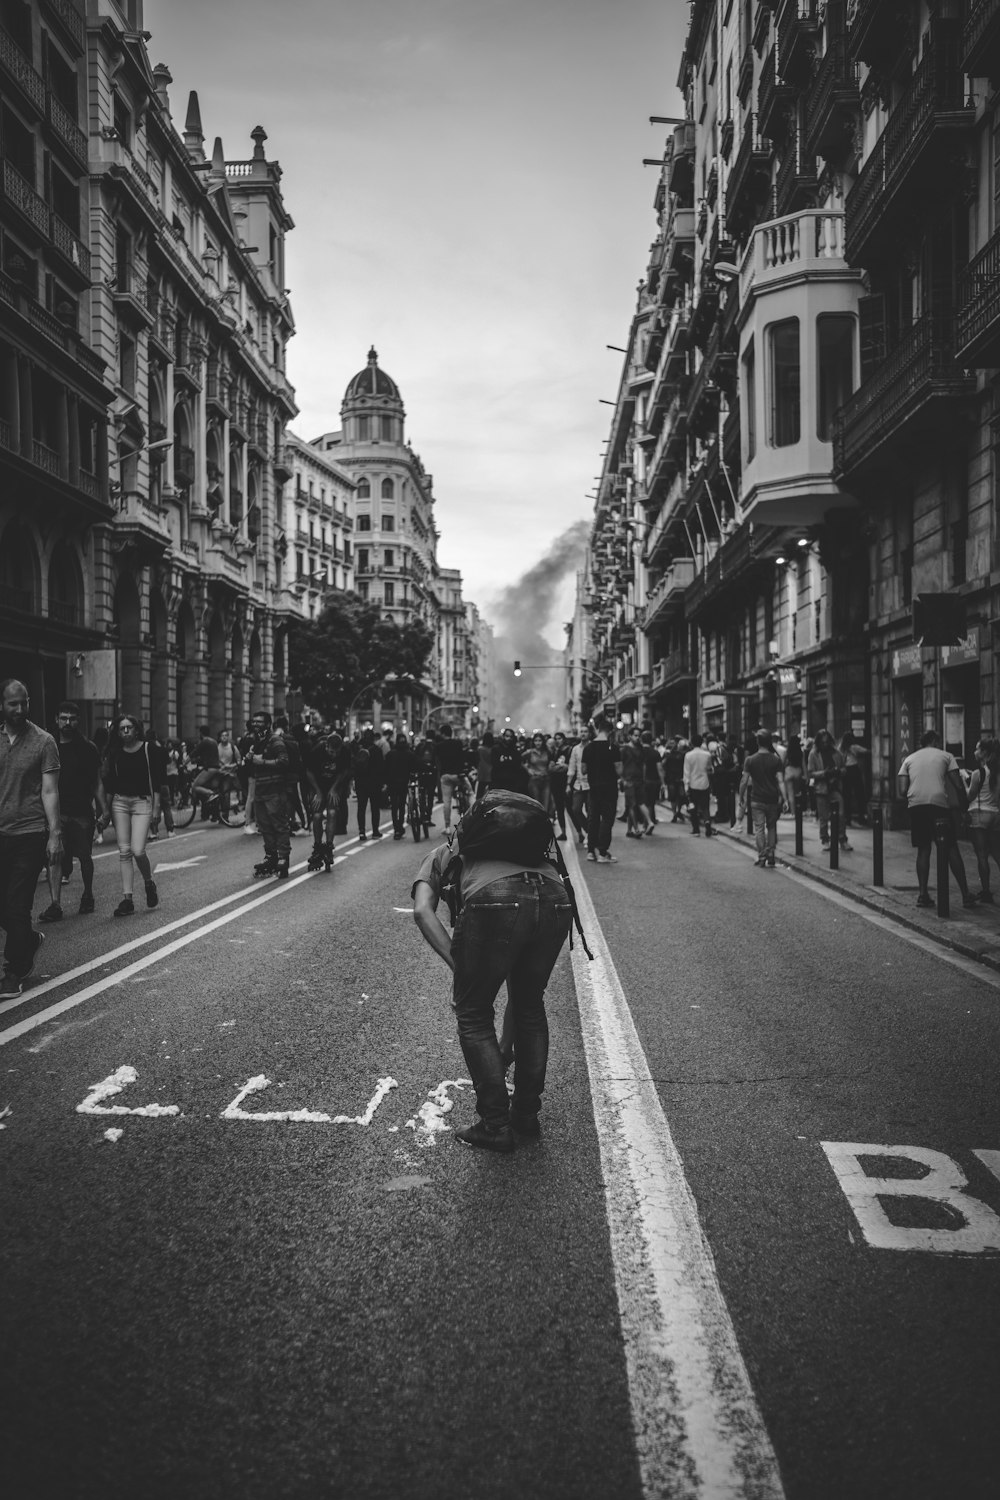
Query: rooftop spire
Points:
[194, 136]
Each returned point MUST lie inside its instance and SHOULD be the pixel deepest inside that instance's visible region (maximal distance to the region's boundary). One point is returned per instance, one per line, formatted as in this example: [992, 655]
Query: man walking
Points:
[601, 762]
[698, 764]
[763, 775]
[513, 918]
[923, 780]
[80, 786]
[30, 831]
[268, 764]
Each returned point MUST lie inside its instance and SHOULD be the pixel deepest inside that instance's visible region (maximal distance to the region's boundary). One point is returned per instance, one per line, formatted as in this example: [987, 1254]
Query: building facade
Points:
[816, 447]
[315, 545]
[145, 393]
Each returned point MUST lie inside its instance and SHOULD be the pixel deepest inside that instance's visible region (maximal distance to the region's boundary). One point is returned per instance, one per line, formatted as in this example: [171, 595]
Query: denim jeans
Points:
[22, 856]
[511, 930]
[602, 806]
[765, 827]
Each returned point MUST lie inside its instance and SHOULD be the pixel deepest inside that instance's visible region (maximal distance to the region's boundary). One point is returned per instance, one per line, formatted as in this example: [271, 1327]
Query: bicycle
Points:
[462, 796]
[231, 811]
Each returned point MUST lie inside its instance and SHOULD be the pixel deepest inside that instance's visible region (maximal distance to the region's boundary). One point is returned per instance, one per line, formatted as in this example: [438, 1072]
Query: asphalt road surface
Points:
[756, 1252]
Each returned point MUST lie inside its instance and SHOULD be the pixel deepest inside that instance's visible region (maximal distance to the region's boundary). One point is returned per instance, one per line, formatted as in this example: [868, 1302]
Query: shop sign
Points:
[788, 679]
[965, 652]
[907, 661]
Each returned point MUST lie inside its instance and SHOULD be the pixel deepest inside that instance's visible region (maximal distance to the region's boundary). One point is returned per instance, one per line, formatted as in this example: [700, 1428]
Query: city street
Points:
[245, 1256]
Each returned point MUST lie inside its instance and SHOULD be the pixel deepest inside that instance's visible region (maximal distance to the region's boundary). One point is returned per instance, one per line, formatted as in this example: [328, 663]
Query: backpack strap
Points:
[560, 865]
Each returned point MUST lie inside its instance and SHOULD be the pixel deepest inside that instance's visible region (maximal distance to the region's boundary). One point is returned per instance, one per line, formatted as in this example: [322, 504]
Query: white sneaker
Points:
[250, 830]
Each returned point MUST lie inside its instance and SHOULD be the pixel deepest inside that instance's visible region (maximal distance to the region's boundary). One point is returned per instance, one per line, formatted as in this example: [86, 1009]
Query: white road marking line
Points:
[114, 1084]
[234, 1111]
[699, 1433]
[180, 864]
[109, 980]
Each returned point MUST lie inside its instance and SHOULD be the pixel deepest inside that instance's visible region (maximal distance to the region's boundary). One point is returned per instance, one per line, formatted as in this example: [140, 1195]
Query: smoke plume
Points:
[520, 613]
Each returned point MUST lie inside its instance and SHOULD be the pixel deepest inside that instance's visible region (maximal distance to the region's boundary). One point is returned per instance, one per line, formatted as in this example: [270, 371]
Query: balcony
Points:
[65, 132]
[15, 66]
[703, 403]
[142, 525]
[668, 454]
[981, 40]
[659, 532]
[184, 467]
[130, 297]
[832, 104]
[774, 99]
[73, 251]
[71, 22]
[797, 27]
[681, 170]
[907, 407]
[796, 178]
[875, 34]
[20, 194]
[673, 670]
[977, 336]
[749, 179]
[216, 389]
[668, 594]
[911, 165]
[731, 577]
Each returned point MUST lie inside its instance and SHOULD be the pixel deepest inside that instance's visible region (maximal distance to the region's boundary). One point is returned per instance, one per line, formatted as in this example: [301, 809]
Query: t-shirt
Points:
[474, 874]
[928, 770]
[22, 763]
[763, 768]
[450, 754]
[698, 766]
[79, 767]
[632, 768]
[130, 773]
[206, 753]
[601, 760]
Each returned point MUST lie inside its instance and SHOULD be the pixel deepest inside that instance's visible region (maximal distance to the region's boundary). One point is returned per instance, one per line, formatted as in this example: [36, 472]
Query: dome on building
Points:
[371, 381]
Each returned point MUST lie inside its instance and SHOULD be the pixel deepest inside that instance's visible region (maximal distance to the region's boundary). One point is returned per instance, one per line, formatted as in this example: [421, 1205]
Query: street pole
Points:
[878, 874]
[943, 893]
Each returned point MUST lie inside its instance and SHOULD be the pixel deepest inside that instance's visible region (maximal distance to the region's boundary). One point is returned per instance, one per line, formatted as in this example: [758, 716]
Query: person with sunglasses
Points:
[129, 782]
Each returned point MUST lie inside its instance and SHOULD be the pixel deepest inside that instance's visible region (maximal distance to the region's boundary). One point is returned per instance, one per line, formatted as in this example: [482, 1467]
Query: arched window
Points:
[388, 490]
[364, 489]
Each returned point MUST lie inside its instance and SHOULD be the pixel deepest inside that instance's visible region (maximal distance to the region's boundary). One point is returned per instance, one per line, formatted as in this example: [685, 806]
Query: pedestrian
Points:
[601, 759]
[763, 777]
[923, 779]
[298, 822]
[80, 788]
[578, 787]
[855, 796]
[320, 770]
[230, 765]
[30, 829]
[450, 763]
[698, 764]
[536, 761]
[632, 776]
[400, 765]
[129, 784]
[794, 769]
[368, 771]
[652, 782]
[558, 778]
[508, 771]
[512, 916]
[208, 780]
[484, 765]
[984, 811]
[673, 777]
[825, 769]
[267, 762]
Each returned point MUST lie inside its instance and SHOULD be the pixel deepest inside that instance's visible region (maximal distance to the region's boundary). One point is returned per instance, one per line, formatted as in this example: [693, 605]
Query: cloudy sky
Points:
[467, 187]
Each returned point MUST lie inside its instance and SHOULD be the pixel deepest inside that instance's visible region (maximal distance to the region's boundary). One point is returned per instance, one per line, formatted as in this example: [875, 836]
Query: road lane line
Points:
[59, 980]
[699, 1433]
[109, 980]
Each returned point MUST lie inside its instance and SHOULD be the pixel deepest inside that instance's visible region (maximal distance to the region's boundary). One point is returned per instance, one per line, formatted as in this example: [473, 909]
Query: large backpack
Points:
[506, 826]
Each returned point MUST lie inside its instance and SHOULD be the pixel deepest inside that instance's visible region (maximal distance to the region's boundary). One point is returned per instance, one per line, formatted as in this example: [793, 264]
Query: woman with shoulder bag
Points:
[983, 803]
[129, 785]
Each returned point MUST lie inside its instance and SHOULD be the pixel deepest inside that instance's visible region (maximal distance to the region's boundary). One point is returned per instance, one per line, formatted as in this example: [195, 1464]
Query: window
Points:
[835, 354]
[750, 397]
[364, 489]
[363, 592]
[300, 565]
[362, 563]
[388, 490]
[390, 593]
[364, 523]
[390, 558]
[783, 340]
[387, 429]
[388, 523]
[122, 120]
[364, 429]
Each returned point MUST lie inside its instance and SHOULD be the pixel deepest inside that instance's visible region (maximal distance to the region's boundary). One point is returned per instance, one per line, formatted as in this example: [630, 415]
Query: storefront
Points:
[907, 686]
[960, 699]
[790, 699]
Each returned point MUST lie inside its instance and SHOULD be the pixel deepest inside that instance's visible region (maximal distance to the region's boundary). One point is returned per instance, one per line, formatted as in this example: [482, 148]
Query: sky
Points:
[467, 186]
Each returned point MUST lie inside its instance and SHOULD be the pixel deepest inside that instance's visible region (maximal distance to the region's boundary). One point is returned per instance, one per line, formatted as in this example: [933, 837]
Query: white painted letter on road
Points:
[941, 1182]
[115, 1083]
[256, 1085]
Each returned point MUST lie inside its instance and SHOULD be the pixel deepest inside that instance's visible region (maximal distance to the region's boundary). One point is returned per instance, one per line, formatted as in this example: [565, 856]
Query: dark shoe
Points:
[363, 837]
[969, 901]
[986, 897]
[770, 861]
[696, 832]
[925, 901]
[282, 869]
[152, 899]
[846, 847]
[760, 863]
[86, 906]
[650, 829]
[525, 1124]
[125, 907]
[377, 833]
[10, 984]
[39, 940]
[489, 1137]
[51, 913]
[398, 835]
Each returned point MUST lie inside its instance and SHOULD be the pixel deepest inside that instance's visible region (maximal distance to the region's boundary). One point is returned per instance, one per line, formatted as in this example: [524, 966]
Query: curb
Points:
[865, 896]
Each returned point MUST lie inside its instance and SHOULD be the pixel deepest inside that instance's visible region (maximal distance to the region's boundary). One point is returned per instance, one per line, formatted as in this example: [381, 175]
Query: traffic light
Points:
[517, 669]
[938, 619]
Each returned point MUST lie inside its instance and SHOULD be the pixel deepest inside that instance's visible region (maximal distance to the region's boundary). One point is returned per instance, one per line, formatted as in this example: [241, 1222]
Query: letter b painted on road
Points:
[942, 1183]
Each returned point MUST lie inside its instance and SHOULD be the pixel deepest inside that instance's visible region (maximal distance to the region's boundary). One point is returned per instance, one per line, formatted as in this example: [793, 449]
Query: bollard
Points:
[878, 872]
[799, 814]
[749, 817]
[834, 835]
[943, 893]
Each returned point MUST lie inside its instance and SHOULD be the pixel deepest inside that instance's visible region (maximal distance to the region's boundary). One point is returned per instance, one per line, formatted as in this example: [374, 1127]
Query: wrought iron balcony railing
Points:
[831, 103]
[981, 40]
[977, 323]
[749, 178]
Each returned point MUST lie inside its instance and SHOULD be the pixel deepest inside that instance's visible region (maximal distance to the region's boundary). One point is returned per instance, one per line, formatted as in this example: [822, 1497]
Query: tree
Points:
[350, 644]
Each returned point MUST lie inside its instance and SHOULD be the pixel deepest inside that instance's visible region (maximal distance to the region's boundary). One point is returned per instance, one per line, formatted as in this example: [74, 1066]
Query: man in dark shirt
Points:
[30, 831]
[764, 778]
[80, 786]
[601, 761]
[450, 755]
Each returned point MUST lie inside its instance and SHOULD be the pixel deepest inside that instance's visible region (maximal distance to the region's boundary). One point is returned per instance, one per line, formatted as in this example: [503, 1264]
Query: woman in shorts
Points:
[984, 811]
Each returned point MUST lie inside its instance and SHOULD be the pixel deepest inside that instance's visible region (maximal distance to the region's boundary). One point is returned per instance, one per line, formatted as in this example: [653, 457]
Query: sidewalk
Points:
[974, 933]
